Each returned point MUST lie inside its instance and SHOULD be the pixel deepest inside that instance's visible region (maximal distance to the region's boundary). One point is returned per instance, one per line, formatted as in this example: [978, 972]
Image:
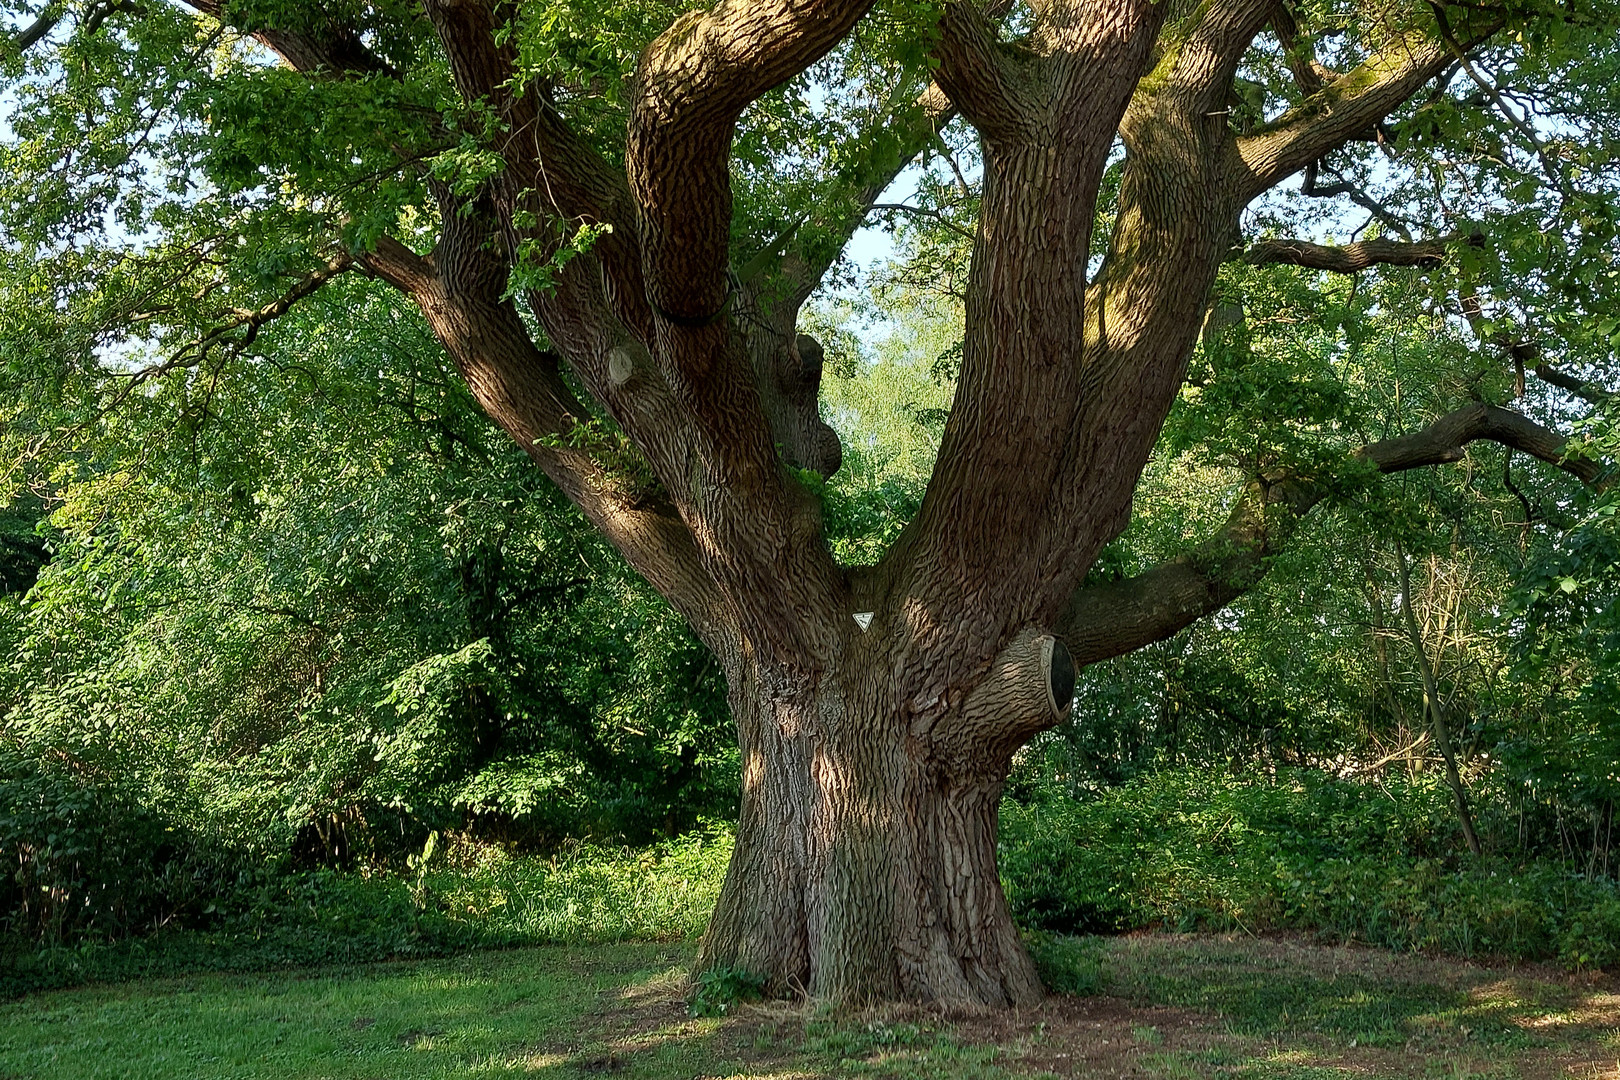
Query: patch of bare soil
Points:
[1102, 1037]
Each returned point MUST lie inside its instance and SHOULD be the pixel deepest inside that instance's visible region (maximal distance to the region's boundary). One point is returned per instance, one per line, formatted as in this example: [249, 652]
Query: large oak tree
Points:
[612, 216]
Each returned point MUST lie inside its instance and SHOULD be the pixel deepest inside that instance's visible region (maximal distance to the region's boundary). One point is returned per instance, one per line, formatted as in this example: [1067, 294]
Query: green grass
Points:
[489, 1014]
[1163, 1006]
[1347, 998]
[1263, 989]
[567, 1012]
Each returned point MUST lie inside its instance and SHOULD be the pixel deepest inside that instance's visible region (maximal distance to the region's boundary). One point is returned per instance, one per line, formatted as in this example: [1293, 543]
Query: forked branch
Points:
[1309, 75]
[460, 289]
[236, 330]
[337, 52]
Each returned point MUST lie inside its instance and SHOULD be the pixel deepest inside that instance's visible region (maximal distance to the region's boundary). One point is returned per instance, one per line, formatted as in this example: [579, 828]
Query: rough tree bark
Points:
[878, 708]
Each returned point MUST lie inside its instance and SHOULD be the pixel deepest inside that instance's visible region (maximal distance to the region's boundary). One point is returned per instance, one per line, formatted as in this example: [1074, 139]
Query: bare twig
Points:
[923, 211]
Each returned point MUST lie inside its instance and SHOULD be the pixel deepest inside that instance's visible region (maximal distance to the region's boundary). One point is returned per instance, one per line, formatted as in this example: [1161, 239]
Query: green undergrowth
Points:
[453, 902]
[1347, 861]
[1341, 860]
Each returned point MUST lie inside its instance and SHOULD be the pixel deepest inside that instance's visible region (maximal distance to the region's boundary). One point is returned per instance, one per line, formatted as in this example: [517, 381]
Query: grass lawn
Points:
[1146, 1006]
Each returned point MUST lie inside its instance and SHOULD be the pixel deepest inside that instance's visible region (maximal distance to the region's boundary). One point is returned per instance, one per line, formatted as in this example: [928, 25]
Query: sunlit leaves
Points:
[345, 593]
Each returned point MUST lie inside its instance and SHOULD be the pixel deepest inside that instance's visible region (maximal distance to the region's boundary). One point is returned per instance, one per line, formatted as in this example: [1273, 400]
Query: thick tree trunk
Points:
[865, 865]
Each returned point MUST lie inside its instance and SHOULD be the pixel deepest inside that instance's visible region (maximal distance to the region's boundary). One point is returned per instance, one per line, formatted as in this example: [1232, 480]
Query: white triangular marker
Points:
[864, 619]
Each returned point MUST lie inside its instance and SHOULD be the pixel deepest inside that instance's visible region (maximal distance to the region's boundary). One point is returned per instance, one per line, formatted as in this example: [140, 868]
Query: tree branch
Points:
[844, 205]
[104, 11]
[1110, 619]
[1310, 76]
[693, 84]
[1360, 198]
[1178, 208]
[922, 211]
[1347, 106]
[1113, 618]
[1555, 174]
[337, 53]
[1029, 458]
[53, 13]
[774, 284]
[1198, 69]
[42, 25]
[1444, 441]
[460, 289]
[989, 84]
[256, 319]
[1431, 699]
[1588, 392]
[193, 354]
[252, 319]
[398, 265]
[1350, 258]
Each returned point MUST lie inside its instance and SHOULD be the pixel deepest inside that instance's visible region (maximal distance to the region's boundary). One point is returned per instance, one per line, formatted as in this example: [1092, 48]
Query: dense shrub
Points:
[1183, 849]
[341, 612]
[84, 858]
[1352, 861]
[463, 896]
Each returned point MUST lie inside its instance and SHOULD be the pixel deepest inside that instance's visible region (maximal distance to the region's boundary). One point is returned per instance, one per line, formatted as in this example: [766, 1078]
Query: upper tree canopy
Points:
[662, 188]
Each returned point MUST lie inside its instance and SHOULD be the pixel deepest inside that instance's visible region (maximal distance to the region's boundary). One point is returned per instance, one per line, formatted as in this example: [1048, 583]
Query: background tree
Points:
[342, 613]
[611, 218]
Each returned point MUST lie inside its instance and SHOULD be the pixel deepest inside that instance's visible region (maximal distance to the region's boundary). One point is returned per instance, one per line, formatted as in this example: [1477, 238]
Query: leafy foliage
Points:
[1348, 860]
[718, 989]
[470, 896]
[337, 614]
